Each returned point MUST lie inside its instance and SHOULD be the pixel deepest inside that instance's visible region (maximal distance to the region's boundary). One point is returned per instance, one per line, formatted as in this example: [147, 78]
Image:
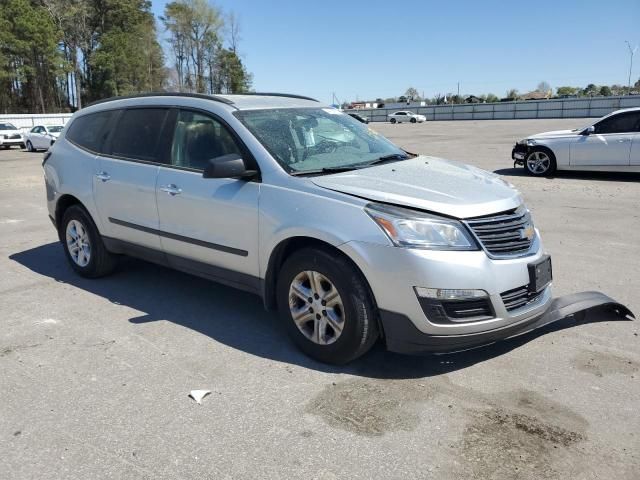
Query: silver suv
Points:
[347, 235]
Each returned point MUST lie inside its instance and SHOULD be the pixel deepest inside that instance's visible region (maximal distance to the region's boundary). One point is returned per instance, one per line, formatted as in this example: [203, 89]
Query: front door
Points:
[208, 225]
[609, 144]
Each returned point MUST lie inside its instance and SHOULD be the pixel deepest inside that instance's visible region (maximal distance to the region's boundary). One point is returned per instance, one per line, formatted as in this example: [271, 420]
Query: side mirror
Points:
[228, 166]
[589, 130]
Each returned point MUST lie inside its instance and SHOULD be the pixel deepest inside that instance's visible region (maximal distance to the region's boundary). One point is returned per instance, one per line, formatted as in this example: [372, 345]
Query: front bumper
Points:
[519, 153]
[11, 141]
[393, 273]
[402, 336]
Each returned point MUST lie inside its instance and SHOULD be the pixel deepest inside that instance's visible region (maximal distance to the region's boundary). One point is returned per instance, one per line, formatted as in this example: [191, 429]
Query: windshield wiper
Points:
[344, 168]
[387, 158]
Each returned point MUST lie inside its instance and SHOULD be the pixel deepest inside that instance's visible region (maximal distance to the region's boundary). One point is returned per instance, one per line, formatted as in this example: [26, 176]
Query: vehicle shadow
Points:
[574, 175]
[238, 319]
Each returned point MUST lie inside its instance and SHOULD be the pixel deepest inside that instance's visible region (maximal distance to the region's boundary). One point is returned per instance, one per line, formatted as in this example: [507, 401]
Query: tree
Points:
[412, 94]
[543, 87]
[491, 98]
[30, 62]
[231, 75]
[567, 90]
[513, 94]
[605, 91]
[590, 90]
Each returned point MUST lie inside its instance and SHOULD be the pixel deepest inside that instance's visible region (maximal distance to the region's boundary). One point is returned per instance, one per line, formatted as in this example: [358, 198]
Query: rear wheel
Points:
[393, 120]
[326, 306]
[83, 245]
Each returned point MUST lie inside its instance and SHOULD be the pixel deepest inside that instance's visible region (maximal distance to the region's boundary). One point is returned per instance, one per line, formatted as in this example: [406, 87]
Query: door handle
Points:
[624, 140]
[104, 176]
[171, 189]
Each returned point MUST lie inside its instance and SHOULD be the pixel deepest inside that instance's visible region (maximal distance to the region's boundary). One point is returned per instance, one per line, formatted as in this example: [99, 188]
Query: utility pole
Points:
[632, 51]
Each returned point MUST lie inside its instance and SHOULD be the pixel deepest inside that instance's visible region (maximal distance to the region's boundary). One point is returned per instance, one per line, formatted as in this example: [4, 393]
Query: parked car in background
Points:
[41, 137]
[10, 136]
[360, 118]
[612, 143]
[406, 116]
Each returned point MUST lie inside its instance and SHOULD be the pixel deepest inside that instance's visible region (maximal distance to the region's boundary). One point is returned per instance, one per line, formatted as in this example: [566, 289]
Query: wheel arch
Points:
[288, 246]
[62, 205]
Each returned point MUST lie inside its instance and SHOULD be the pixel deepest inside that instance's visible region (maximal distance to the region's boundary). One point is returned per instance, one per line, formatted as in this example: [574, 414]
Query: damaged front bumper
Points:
[402, 336]
[519, 154]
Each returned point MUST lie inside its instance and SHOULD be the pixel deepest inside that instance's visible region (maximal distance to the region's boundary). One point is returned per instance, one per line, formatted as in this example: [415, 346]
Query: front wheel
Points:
[393, 120]
[326, 306]
[413, 120]
[540, 163]
[30, 146]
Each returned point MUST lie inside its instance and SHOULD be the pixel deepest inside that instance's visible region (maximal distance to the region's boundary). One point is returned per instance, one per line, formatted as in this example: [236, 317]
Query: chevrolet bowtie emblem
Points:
[527, 232]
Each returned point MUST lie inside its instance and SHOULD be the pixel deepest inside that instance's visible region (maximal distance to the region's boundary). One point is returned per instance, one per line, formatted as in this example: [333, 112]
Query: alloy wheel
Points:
[78, 243]
[538, 163]
[316, 307]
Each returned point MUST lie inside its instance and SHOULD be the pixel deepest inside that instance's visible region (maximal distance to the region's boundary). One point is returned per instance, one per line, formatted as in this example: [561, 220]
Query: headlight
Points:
[527, 141]
[410, 228]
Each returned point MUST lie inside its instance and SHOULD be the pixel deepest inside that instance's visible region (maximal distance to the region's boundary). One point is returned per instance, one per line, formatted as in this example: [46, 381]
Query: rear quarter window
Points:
[90, 131]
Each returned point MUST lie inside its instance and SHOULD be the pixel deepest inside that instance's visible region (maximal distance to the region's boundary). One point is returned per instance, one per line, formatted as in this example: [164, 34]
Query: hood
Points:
[555, 133]
[54, 134]
[10, 132]
[428, 183]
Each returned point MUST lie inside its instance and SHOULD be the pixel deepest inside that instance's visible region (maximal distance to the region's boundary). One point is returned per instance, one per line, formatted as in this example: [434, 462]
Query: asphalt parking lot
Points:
[94, 374]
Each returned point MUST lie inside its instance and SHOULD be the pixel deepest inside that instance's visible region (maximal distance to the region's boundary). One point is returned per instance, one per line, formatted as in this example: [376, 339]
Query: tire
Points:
[413, 120]
[100, 261]
[30, 146]
[23, 146]
[353, 308]
[393, 120]
[540, 162]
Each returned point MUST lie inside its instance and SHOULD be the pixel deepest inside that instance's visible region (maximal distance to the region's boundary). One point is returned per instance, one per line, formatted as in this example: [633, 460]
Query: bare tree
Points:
[543, 87]
[233, 32]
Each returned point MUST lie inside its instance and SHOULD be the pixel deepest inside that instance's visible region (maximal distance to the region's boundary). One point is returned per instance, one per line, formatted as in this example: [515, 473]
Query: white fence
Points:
[560, 108]
[26, 122]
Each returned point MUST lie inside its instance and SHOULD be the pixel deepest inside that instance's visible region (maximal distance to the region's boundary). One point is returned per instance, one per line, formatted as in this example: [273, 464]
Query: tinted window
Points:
[621, 123]
[138, 132]
[90, 131]
[199, 138]
[7, 126]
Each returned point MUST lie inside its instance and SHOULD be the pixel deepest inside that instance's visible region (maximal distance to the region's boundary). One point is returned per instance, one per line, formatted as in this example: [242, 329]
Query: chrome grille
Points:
[519, 297]
[504, 234]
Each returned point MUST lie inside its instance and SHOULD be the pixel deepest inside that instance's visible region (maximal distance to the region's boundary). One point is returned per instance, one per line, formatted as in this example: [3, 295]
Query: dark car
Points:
[359, 118]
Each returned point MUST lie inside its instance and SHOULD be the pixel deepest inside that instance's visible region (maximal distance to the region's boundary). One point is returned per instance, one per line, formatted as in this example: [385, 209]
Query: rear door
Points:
[125, 186]
[208, 225]
[609, 145]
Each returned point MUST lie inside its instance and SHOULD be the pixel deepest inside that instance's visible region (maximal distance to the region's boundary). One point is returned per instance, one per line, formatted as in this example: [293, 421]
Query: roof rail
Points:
[165, 94]
[271, 94]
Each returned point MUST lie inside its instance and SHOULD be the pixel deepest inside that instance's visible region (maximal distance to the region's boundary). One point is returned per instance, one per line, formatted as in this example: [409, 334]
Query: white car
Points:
[41, 137]
[612, 143]
[406, 116]
[10, 136]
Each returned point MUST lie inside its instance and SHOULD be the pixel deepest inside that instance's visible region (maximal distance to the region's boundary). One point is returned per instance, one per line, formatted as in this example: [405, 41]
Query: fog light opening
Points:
[449, 293]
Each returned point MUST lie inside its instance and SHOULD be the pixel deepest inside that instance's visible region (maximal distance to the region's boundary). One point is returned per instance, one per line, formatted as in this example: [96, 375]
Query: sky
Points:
[363, 49]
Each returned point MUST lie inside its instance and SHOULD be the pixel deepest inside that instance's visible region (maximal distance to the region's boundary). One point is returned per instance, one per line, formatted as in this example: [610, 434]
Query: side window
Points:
[138, 133]
[34, 129]
[199, 138]
[90, 131]
[621, 123]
